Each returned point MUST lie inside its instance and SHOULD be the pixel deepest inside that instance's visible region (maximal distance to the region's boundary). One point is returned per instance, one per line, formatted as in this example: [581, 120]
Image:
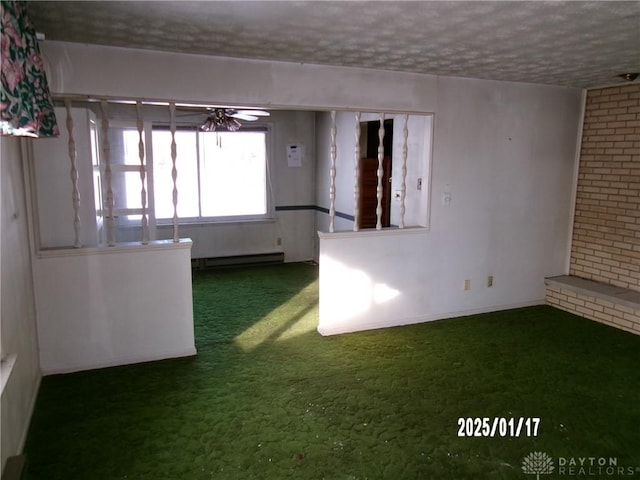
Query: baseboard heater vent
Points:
[237, 260]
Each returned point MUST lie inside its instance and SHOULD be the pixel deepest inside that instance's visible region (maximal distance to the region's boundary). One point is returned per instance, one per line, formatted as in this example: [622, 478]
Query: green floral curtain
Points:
[26, 103]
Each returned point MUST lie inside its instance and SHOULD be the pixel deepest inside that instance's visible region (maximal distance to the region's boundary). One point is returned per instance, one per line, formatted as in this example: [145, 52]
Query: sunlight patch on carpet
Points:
[292, 318]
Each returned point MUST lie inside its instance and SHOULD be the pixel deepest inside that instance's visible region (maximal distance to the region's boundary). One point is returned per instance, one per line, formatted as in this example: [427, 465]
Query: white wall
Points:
[418, 164]
[53, 186]
[123, 72]
[506, 153]
[344, 170]
[18, 313]
[103, 306]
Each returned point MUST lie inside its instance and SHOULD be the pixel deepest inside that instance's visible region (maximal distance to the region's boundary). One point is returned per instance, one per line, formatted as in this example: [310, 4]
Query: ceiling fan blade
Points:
[243, 116]
[255, 113]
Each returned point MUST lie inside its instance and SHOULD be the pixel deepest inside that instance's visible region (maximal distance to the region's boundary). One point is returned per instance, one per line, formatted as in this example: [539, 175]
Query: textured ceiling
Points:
[581, 44]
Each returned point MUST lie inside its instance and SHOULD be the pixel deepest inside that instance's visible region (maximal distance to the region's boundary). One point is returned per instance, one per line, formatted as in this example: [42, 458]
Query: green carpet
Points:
[267, 397]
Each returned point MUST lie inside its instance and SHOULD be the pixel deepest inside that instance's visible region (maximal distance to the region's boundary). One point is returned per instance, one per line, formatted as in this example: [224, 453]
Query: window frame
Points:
[127, 217]
[121, 215]
[264, 127]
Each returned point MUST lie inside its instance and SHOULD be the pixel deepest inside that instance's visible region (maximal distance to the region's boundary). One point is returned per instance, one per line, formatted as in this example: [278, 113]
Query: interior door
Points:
[368, 200]
[368, 183]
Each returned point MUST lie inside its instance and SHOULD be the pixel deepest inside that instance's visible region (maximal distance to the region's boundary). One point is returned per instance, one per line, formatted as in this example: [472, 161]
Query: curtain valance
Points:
[26, 102]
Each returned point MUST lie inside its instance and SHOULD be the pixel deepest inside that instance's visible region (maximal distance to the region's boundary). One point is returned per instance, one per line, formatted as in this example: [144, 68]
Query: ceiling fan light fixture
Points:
[229, 119]
[232, 124]
[630, 77]
[219, 120]
[208, 125]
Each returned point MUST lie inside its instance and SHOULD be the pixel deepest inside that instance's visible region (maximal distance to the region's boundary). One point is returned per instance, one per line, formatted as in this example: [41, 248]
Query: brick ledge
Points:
[611, 293]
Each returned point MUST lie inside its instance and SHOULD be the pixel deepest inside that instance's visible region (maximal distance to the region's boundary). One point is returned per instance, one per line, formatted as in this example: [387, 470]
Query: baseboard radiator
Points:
[237, 260]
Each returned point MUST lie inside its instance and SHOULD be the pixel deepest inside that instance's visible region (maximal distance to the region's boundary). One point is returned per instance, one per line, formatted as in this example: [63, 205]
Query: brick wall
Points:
[617, 315]
[606, 232]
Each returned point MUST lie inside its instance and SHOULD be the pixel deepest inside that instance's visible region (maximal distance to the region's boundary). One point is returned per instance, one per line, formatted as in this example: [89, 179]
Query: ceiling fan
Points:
[229, 119]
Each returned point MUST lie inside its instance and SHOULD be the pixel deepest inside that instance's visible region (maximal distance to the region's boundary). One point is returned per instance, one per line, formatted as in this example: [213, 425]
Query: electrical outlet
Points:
[278, 241]
[490, 281]
[467, 284]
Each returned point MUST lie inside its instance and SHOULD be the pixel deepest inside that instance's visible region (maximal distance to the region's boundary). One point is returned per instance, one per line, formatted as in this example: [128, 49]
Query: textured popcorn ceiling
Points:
[582, 44]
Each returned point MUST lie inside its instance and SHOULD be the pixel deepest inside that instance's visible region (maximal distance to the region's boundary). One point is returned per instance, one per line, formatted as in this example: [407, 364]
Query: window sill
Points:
[208, 223]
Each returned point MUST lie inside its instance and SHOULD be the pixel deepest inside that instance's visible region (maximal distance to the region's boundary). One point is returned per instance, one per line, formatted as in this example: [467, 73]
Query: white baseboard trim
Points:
[347, 327]
[189, 352]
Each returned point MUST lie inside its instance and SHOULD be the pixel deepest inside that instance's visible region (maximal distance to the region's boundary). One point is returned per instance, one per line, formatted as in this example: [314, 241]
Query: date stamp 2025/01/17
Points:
[498, 426]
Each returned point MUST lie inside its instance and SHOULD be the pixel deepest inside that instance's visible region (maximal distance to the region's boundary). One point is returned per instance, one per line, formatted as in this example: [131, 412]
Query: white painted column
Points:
[174, 171]
[75, 195]
[380, 172]
[143, 191]
[403, 185]
[356, 176]
[332, 174]
[106, 154]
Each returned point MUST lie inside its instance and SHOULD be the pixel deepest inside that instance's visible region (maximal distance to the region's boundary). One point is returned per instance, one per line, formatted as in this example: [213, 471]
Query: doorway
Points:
[368, 182]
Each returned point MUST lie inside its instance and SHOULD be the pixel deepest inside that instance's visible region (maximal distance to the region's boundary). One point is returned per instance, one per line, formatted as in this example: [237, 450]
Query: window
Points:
[125, 170]
[126, 186]
[221, 175]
